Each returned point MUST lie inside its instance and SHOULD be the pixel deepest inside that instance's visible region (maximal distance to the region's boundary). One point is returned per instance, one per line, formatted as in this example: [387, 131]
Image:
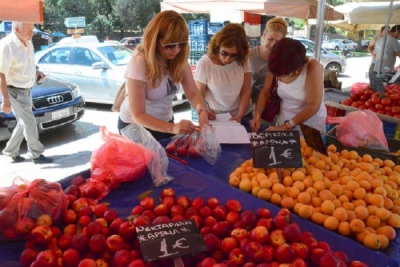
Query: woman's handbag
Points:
[119, 98]
[274, 103]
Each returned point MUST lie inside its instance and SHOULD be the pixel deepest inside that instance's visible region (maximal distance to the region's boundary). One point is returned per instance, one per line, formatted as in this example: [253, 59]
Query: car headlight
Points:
[75, 90]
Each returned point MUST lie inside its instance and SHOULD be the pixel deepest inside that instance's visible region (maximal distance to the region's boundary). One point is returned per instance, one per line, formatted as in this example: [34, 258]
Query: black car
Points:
[55, 103]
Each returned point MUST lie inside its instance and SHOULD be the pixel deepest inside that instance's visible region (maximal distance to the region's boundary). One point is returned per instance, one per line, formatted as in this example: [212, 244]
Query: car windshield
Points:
[119, 55]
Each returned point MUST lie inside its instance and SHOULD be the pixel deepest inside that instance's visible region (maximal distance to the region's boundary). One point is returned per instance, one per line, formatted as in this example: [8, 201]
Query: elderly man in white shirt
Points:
[17, 75]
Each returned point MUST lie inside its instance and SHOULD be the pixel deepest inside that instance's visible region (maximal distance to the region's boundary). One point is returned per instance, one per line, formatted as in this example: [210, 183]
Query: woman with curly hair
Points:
[223, 75]
[300, 86]
[158, 65]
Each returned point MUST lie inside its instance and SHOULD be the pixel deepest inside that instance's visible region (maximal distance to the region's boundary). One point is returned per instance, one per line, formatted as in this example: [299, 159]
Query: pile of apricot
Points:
[344, 192]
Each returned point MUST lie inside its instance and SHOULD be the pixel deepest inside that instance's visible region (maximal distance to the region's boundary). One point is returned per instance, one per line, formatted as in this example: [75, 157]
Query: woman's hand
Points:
[277, 128]
[237, 118]
[184, 127]
[254, 125]
[212, 114]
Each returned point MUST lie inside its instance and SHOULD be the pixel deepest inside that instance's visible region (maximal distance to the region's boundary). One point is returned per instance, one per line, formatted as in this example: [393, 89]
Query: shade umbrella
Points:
[302, 9]
[30, 11]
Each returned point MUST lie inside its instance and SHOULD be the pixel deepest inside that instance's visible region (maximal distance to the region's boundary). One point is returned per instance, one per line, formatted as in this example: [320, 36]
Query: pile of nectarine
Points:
[93, 235]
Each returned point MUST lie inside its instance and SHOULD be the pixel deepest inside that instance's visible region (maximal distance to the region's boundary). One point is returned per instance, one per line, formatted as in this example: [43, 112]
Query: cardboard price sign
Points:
[276, 149]
[170, 240]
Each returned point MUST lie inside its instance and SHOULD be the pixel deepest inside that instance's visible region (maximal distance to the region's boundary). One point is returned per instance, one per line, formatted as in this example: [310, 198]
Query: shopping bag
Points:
[119, 159]
[23, 202]
[361, 129]
[274, 103]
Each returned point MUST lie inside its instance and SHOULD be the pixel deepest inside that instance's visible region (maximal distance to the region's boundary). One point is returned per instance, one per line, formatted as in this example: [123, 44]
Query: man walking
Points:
[391, 51]
[17, 75]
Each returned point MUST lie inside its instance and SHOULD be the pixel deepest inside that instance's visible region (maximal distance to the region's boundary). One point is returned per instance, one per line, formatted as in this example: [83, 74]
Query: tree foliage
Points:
[112, 19]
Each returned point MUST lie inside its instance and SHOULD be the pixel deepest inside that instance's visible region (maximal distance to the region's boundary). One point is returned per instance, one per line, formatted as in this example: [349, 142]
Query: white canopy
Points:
[22, 10]
[303, 9]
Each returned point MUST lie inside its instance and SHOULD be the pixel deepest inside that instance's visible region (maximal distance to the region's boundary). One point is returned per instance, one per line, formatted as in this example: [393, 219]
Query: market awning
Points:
[22, 10]
[303, 9]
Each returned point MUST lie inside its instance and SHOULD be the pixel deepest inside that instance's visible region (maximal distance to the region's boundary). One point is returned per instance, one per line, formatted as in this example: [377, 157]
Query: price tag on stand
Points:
[313, 138]
[170, 240]
[276, 149]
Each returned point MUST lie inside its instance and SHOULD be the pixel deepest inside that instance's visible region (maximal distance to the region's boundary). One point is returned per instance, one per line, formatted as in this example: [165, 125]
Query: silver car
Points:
[339, 44]
[329, 60]
[97, 68]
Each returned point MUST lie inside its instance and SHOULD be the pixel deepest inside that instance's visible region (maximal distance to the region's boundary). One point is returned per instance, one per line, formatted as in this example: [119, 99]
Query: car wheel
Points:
[336, 48]
[334, 66]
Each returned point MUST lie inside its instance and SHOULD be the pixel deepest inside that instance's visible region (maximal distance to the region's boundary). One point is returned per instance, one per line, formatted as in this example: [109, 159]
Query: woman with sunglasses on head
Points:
[158, 65]
[223, 74]
[275, 30]
[300, 86]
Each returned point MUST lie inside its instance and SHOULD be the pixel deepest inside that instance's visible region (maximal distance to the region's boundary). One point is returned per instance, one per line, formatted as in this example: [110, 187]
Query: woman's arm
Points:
[371, 46]
[262, 102]
[137, 105]
[245, 94]
[195, 95]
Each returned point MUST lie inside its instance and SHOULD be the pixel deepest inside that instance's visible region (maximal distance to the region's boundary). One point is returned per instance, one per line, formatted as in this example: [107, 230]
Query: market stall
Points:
[199, 179]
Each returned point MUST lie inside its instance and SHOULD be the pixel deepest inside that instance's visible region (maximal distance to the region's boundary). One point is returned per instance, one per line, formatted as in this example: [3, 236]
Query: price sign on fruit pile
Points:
[276, 149]
[169, 240]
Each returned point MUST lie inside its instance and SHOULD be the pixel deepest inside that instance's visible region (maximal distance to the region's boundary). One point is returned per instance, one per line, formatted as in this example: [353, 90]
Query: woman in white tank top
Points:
[300, 87]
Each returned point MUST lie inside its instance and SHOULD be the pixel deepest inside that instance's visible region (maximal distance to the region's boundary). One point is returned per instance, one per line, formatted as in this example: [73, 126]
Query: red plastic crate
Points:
[252, 18]
[335, 112]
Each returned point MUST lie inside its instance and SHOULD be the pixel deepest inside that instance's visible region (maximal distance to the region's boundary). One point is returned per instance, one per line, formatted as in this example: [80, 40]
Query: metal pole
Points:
[384, 39]
[319, 27]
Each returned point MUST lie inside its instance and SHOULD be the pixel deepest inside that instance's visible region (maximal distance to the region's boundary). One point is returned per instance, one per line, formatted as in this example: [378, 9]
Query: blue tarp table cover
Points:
[201, 179]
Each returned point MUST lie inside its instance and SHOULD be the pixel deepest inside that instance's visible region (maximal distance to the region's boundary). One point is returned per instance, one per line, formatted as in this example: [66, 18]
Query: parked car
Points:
[55, 103]
[131, 42]
[365, 44]
[97, 68]
[329, 60]
[339, 44]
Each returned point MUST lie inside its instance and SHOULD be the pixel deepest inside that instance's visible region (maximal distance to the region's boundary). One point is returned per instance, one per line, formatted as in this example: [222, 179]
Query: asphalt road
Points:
[72, 146]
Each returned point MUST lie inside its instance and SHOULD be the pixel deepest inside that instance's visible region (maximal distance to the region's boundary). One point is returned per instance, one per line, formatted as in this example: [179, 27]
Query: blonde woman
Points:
[275, 30]
[159, 64]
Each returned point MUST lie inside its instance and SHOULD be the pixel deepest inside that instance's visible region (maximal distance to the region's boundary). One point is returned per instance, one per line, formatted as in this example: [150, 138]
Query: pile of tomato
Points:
[385, 103]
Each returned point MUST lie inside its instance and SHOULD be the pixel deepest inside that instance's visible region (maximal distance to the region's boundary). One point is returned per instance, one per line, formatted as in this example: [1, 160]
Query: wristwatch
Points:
[290, 123]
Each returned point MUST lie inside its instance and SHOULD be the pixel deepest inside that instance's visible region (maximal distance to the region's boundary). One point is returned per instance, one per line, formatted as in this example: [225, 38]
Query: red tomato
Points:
[347, 102]
[396, 110]
[362, 107]
[364, 97]
[379, 106]
[387, 109]
[354, 96]
[375, 99]
[388, 113]
[394, 97]
[373, 109]
[386, 101]
[397, 116]
[380, 111]
[368, 103]
[356, 104]
[368, 92]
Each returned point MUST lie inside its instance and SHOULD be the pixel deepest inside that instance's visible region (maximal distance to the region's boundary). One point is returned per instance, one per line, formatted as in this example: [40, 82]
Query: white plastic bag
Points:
[158, 166]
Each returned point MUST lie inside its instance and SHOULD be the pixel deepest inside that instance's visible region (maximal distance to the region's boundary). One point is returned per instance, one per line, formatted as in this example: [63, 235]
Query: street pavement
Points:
[71, 146]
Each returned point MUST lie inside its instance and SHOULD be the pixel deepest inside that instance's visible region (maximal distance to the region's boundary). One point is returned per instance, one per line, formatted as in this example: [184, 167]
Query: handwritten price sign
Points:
[276, 149]
[169, 240]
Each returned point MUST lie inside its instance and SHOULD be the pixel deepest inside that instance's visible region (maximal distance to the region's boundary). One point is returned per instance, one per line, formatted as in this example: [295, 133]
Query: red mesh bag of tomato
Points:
[119, 159]
[23, 202]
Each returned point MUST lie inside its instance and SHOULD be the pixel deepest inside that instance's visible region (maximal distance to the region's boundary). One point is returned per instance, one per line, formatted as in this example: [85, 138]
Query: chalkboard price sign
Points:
[276, 149]
[169, 240]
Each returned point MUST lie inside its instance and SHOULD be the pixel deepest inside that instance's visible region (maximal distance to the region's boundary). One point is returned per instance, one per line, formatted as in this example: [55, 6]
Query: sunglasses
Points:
[226, 54]
[173, 45]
